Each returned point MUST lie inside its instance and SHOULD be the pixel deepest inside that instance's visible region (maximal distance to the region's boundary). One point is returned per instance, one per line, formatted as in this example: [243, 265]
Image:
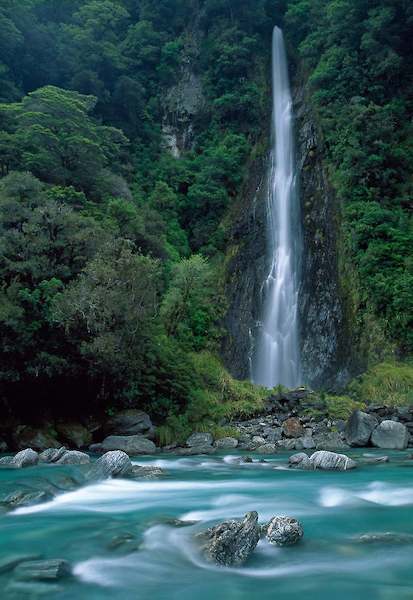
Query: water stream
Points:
[276, 358]
[119, 536]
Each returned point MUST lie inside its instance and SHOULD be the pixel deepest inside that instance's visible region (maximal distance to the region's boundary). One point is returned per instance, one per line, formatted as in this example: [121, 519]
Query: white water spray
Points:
[276, 357]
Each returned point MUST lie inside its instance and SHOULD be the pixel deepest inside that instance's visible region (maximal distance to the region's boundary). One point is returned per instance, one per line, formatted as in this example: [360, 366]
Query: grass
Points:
[389, 383]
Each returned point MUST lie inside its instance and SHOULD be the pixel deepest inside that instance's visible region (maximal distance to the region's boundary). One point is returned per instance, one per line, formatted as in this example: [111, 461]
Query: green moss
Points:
[389, 383]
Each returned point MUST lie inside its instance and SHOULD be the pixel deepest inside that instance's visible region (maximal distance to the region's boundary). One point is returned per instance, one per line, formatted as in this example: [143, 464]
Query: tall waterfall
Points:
[276, 358]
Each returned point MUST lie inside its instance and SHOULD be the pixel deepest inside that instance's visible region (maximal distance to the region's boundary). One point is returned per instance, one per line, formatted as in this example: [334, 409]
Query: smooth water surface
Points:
[276, 358]
[160, 560]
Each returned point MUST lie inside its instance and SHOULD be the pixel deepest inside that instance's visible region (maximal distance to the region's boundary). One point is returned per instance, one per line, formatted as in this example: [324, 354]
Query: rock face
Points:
[43, 570]
[391, 435]
[232, 542]
[129, 422]
[359, 428]
[131, 444]
[226, 443]
[284, 531]
[111, 464]
[331, 461]
[74, 434]
[199, 439]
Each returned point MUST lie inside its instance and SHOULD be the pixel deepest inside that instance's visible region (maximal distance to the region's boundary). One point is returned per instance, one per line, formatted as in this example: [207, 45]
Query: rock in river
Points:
[300, 461]
[111, 464]
[46, 570]
[283, 531]
[74, 457]
[52, 455]
[331, 461]
[359, 428]
[232, 542]
[390, 435]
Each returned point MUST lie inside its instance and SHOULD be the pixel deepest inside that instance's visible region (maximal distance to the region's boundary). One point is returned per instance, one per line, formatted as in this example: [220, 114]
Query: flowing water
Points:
[159, 560]
[276, 358]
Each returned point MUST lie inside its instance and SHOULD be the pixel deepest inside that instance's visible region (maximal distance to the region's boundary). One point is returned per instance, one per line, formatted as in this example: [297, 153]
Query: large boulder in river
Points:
[74, 457]
[130, 421]
[391, 435]
[43, 570]
[74, 434]
[199, 439]
[232, 542]
[52, 455]
[300, 461]
[331, 461]
[111, 464]
[131, 444]
[283, 531]
[26, 458]
[359, 428]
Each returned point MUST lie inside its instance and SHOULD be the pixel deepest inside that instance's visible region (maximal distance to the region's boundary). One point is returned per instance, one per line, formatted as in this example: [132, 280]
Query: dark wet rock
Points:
[387, 537]
[74, 434]
[359, 428]
[232, 542]
[124, 541]
[283, 531]
[26, 497]
[52, 455]
[390, 435]
[300, 461]
[226, 443]
[74, 457]
[38, 439]
[375, 460]
[194, 451]
[43, 570]
[330, 440]
[112, 464]
[199, 439]
[129, 422]
[177, 522]
[146, 472]
[25, 458]
[331, 461]
[293, 428]
[8, 563]
[267, 449]
[131, 444]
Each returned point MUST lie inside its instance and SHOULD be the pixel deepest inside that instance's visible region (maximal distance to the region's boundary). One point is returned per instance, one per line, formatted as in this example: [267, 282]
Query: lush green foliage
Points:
[386, 383]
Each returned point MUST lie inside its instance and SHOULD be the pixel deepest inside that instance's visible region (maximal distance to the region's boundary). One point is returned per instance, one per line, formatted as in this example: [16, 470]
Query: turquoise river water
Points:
[119, 535]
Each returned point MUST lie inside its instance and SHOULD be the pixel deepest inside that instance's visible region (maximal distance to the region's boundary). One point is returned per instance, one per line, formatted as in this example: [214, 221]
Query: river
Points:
[119, 536]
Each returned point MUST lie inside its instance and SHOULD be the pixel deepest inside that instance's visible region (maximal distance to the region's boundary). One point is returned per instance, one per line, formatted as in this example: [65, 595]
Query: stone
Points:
[8, 563]
[52, 455]
[300, 461]
[194, 451]
[391, 435]
[386, 537]
[359, 428]
[199, 439]
[267, 449]
[283, 531]
[226, 443]
[293, 428]
[330, 440]
[306, 442]
[7, 461]
[38, 439]
[375, 460]
[331, 461]
[74, 457]
[272, 434]
[231, 543]
[26, 458]
[146, 472]
[74, 434]
[131, 444]
[47, 570]
[287, 444]
[130, 421]
[258, 440]
[26, 498]
[112, 464]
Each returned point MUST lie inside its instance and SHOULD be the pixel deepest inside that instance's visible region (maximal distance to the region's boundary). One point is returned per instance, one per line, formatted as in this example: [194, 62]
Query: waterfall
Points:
[276, 358]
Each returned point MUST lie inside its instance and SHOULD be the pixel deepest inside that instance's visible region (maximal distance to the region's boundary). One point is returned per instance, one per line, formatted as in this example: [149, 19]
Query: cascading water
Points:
[276, 358]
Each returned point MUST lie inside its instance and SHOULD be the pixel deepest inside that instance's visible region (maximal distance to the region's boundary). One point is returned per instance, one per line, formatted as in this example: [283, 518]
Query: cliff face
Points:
[324, 331]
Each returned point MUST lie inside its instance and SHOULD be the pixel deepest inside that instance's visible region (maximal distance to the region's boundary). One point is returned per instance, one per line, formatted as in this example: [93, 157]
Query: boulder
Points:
[266, 449]
[26, 458]
[226, 443]
[331, 461]
[47, 570]
[391, 435]
[258, 440]
[39, 439]
[112, 464]
[293, 428]
[74, 434]
[74, 457]
[194, 451]
[130, 421]
[359, 428]
[232, 542]
[287, 444]
[146, 472]
[52, 455]
[306, 442]
[331, 440]
[300, 461]
[273, 434]
[131, 444]
[283, 531]
[199, 439]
